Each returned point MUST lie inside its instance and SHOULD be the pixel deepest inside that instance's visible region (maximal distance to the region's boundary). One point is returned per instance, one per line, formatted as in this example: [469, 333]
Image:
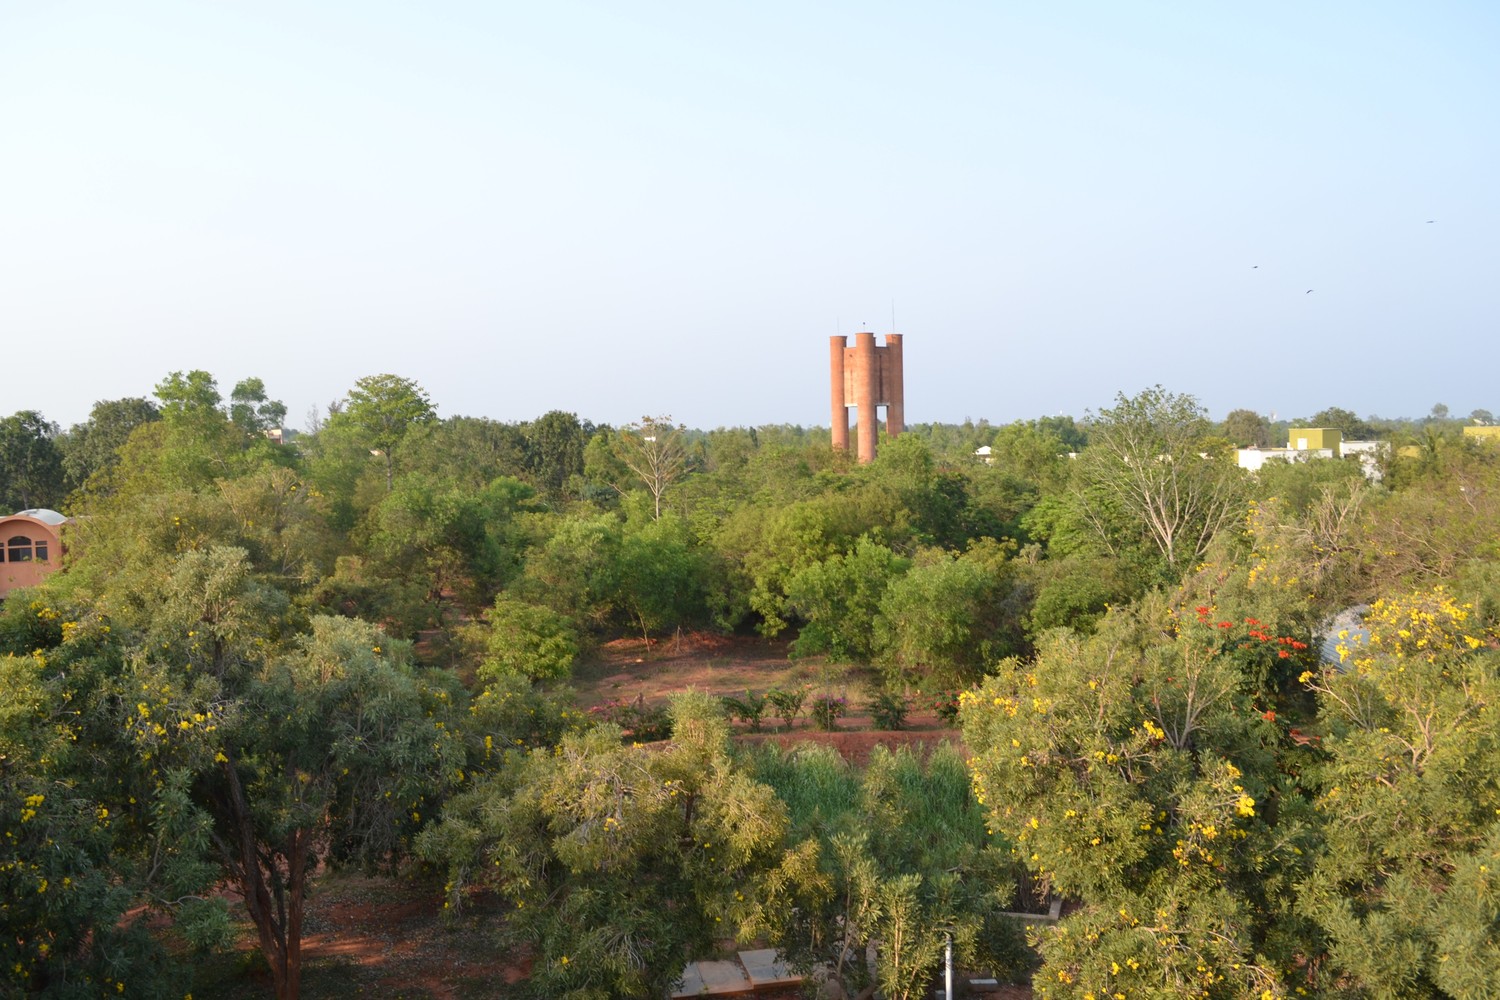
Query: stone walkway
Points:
[751, 971]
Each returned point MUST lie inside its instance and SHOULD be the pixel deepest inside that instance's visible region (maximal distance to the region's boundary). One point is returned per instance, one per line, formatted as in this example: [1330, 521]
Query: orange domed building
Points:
[30, 548]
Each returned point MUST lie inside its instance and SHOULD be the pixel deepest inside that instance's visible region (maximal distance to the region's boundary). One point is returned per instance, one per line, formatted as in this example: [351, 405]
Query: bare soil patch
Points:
[631, 668]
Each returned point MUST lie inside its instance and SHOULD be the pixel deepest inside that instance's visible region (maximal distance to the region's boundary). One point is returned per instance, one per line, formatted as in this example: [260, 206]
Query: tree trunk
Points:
[275, 907]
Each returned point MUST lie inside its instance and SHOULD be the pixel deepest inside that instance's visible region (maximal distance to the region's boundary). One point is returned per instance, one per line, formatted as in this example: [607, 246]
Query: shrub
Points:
[788, 704]
[750, 709]
[641, 722]
[525, 640]
[945, 704]
[888, 710]
[826, 711]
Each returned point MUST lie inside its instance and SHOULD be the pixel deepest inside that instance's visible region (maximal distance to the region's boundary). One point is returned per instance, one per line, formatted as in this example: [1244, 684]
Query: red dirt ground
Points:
[627, 669]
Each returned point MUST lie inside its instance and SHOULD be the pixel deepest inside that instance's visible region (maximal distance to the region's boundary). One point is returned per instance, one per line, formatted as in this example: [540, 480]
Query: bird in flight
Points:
[1308, 292]
[1431, 221]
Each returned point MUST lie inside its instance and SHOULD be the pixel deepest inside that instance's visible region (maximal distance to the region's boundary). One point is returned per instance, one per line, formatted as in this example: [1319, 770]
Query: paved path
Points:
[750, 971]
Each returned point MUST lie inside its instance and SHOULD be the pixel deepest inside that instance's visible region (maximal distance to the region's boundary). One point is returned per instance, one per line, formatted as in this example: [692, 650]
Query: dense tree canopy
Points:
[267, 657]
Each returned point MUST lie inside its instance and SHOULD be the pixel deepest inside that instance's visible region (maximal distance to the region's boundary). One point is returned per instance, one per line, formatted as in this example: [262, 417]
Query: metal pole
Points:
[948, 967]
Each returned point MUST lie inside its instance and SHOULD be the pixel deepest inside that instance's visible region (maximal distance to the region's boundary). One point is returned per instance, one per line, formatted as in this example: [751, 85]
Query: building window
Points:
[40, 548]
[18, 549]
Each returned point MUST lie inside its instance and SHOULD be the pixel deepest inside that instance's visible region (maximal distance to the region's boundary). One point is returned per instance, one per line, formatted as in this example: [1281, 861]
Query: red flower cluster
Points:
[1254, 630]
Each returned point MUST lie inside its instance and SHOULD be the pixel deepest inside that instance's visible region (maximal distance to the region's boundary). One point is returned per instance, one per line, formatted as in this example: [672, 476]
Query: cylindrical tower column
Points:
[839, 410]
[865, 395]
[895, 392]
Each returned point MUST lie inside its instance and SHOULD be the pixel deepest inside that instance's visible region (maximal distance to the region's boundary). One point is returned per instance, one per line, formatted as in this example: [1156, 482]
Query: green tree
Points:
[1247, 429]
[65, 896]
[381, 409]
[251, 410]
[895, 860]
[661, 576]
[187, 395]
[555, 444]
[1352, 427]
[1438, 521]
[327, 747]
[518, 639]
[1028, 450]
[254, 748]
[839, 598]
[770, 542]
[93, 446]
[192, 444]
[437, 534]
[282, 521]
[624, 862]
[949, 617]
[576, 572]
[31, 468]
[1075, 591]
[473, 451]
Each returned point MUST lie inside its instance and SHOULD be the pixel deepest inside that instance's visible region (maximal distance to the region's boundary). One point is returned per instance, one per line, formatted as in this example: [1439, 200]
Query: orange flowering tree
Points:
[1136, 774]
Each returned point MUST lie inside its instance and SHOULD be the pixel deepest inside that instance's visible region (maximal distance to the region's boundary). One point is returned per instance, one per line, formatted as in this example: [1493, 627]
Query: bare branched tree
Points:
[653, 450]
[1146, 454]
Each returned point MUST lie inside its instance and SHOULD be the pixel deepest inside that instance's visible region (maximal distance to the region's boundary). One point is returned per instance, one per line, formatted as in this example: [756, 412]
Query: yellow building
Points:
[1490, 433]
[1316, 439]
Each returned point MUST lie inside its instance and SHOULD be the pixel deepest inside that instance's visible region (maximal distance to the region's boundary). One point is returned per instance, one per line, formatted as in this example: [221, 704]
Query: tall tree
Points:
[653, 450]
[188, 396]
[1134, 772]
[193, 444]
[327, 742]
[94, 445]
[1350, 425]
[1145, 453]
[554, 449]
[838, 600]
[31, 468]
[383, 408]
[950, 617]
[1028, 450]
[887, 862]
[251, 410]
[1247, 429]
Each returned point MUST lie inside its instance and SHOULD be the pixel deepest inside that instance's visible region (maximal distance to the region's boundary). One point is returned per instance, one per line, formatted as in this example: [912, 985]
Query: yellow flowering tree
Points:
[1405, 885]
[1134, 774]
[64, 897]
[231, 740]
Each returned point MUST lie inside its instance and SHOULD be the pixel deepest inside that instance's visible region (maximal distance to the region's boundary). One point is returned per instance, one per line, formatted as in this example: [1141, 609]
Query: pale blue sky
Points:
[632, 208]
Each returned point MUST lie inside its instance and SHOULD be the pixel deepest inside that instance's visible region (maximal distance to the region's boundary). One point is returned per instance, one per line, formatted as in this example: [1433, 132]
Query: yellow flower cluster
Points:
[1420, 624]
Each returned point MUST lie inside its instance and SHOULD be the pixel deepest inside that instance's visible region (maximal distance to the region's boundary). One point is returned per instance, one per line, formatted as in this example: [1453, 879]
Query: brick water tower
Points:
[865, 376]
